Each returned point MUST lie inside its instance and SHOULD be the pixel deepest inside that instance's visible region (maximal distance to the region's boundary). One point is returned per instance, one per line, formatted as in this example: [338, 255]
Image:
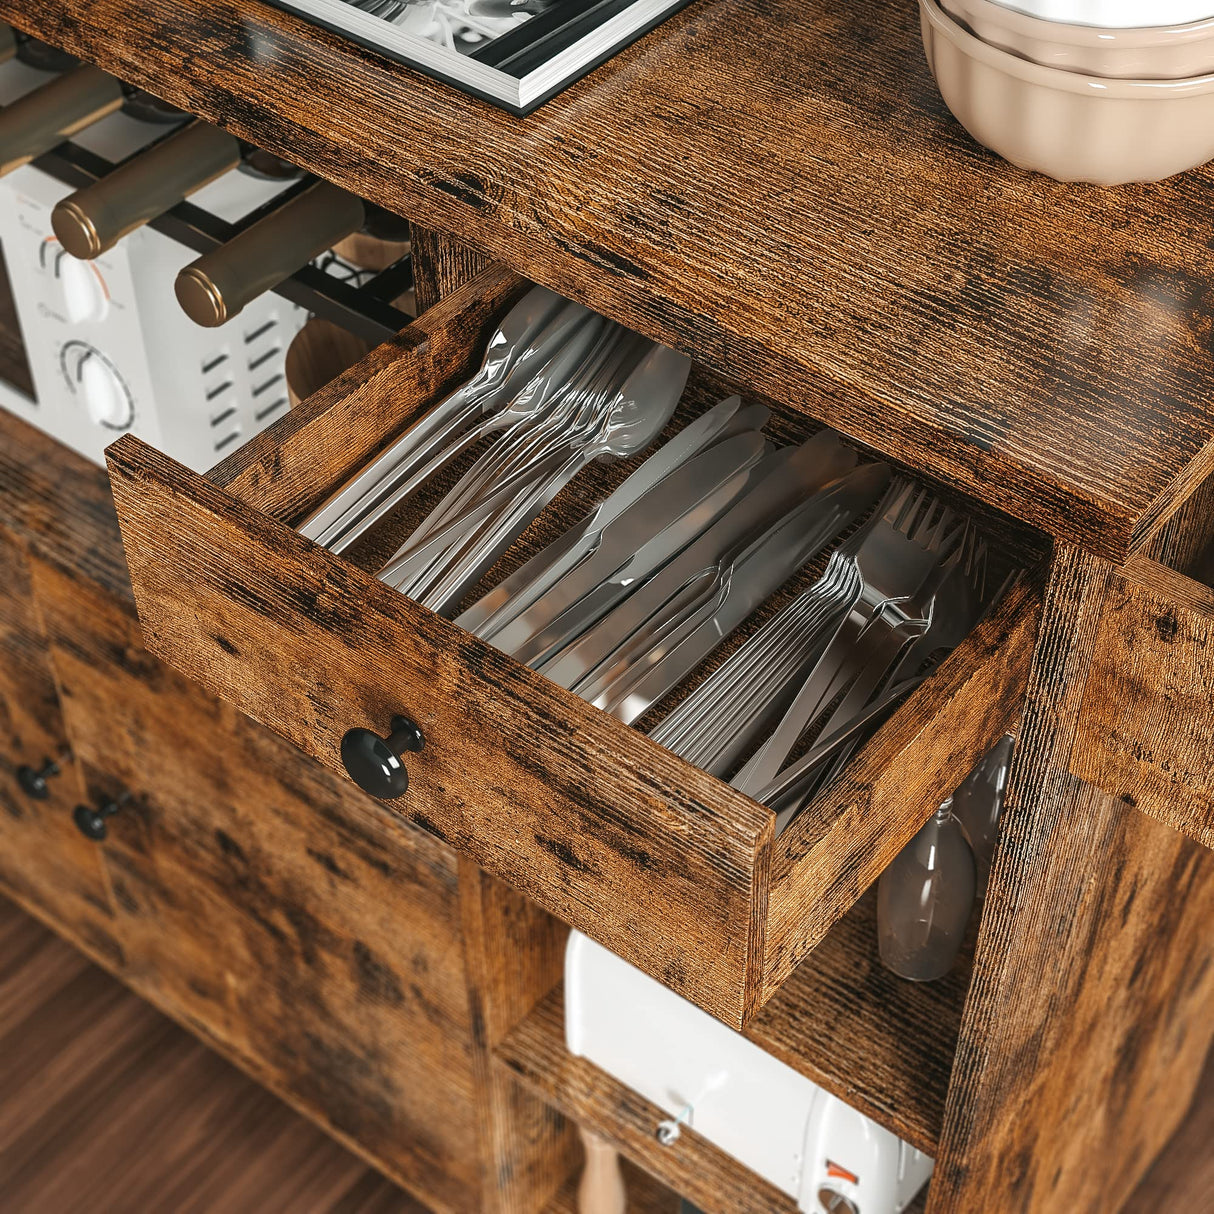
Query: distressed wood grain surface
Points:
[795, 208]
[441, 265]
[56, 503]
[514, 954]
[1145, 731]
[45, 863]
[1088, 1016]
[271, 907]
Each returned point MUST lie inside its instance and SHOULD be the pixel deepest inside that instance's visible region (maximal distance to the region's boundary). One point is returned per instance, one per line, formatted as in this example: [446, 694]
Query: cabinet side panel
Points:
[1088, 1018]
[441, 265]
[1146, 734]
[515, 955]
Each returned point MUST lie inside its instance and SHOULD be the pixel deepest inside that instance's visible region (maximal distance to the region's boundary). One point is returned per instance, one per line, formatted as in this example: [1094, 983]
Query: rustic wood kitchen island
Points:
[802, 217]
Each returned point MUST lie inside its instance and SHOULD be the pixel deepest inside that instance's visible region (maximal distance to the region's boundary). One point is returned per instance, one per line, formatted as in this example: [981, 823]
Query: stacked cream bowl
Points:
[1107, 91]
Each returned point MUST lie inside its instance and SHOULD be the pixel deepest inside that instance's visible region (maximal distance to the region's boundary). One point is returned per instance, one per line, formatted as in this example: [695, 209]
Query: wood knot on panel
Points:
[1167, 627]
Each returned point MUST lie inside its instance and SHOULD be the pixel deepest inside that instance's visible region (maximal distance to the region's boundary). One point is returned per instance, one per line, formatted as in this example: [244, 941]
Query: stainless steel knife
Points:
[756, 573]
[517, 592]
[639, 541]
[776, 485]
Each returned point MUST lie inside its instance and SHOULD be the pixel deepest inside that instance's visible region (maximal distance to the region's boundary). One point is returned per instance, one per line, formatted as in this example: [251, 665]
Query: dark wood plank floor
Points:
[106, 1105]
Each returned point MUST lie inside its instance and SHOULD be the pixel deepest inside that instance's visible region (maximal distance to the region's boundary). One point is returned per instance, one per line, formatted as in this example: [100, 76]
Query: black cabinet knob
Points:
[375, 763]
[91, 822]
[33, 781]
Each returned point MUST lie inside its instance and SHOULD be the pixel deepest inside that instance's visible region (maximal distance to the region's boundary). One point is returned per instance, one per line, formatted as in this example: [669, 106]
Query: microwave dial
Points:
[97, 385]
[84, 296]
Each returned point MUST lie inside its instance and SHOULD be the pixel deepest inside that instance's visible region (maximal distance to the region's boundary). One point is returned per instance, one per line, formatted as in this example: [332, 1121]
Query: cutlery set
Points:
[623, 606]
[906, 588]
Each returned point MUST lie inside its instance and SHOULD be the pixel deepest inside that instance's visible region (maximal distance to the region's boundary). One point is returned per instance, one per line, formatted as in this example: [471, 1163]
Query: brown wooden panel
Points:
[311, 934]
[514, 955]
[535, 1053]
[601, 827]
[45, 862]
[1182, 1176]
[1145, 730]
[1088, 1016]
[795, 208]
[441, 265]
[56, 503]
[838, 845]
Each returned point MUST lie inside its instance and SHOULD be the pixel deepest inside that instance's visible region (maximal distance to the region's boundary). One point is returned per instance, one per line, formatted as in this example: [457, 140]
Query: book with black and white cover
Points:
[514, 53]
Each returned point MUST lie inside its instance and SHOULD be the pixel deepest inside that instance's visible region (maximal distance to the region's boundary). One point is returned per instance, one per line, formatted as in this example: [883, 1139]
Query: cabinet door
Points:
[287, 918]
[45, 863]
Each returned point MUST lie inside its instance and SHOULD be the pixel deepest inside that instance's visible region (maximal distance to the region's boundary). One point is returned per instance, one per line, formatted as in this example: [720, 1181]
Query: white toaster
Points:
[810, 1144]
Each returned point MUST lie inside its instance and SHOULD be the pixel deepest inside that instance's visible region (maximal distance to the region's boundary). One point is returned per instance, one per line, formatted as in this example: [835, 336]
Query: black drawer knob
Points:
[33, 781]
[375, 763]
[91, 822]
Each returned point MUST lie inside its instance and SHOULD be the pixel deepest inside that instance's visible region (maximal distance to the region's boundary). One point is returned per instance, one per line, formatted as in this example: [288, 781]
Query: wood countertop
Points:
[776, 188]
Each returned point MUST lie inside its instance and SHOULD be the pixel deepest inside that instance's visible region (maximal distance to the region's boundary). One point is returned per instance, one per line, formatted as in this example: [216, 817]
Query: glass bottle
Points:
[978, 803]
[924, 900]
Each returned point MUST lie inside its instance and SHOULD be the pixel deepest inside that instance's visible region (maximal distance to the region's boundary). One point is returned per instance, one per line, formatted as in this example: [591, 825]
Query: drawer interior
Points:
[667, 866]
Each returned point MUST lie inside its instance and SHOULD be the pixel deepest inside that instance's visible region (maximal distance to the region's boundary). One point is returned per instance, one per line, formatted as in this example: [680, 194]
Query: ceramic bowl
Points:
[1116, 14]
[1069, 126]
[1155, 53]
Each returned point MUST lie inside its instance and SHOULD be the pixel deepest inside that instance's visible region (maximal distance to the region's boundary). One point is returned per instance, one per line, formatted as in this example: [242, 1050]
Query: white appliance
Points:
[109, 349]
[810, 1144]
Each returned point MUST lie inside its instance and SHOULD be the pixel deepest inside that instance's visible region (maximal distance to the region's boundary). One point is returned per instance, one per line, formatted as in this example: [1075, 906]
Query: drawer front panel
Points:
[285, 916]
[607, 831]
[45, 862]
[1144, 734]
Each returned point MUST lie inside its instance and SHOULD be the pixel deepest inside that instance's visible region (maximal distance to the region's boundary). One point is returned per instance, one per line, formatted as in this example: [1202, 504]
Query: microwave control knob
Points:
[833, 1202]
[97, 383]
[85, 296]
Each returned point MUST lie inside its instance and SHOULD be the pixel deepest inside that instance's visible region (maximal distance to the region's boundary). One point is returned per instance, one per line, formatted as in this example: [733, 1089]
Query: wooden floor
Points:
[107, 1106]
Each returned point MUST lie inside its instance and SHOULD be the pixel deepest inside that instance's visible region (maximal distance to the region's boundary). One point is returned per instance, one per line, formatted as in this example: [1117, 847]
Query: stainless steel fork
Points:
[893, 567]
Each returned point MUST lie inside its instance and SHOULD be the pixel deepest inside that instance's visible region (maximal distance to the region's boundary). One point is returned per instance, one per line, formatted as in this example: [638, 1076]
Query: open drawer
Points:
[668, 867]
[1144, 732]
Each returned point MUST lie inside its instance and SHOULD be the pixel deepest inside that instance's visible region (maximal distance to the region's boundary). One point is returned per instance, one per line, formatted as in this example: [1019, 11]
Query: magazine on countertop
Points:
[514, 53]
